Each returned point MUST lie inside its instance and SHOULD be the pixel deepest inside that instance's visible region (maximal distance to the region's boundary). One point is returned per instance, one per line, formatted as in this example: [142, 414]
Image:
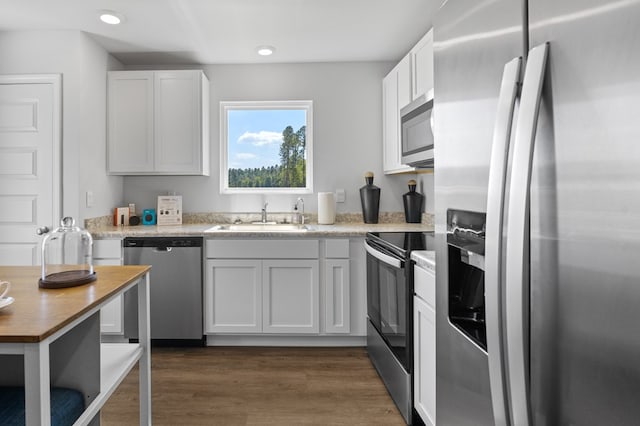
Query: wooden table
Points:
[51, 337]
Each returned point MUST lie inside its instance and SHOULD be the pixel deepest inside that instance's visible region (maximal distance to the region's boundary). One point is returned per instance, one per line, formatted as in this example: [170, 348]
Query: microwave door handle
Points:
[517, 267]
[493, 250]
[391, 261]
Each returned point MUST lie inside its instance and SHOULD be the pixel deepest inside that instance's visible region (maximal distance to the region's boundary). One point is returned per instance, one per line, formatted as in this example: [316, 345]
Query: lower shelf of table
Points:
[117, 360]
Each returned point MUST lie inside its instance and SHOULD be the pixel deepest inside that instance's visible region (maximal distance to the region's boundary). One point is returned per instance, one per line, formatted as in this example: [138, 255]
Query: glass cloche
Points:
[67, 258]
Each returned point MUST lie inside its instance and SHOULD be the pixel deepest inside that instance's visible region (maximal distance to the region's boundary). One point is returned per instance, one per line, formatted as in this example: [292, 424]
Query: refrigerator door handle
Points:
[517, 257]
[493, 243]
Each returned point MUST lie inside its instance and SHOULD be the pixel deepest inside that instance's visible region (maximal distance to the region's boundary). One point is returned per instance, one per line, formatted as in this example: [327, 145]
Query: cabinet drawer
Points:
[425, 285]
[103, 249]
[337, 249]
[262, 249]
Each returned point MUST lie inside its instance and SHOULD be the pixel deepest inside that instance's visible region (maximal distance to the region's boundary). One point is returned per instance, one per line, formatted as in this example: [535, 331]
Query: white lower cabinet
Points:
[233, 296]
[424, 343]
[337, 295]
[290, 296]
[270, 287]
[262, 296]
[424, 329]
[251, 288]
[109, 252]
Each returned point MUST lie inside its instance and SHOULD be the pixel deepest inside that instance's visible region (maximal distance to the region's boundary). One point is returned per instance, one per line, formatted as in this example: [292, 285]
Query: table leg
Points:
[144, 335]
[36, 380]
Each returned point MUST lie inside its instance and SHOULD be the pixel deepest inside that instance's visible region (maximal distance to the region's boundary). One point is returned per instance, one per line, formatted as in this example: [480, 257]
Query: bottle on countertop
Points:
[370, 200]
[413, 202]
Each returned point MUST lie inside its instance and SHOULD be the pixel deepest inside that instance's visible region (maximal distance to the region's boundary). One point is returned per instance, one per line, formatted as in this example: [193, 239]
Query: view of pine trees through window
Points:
[289, 173]
[267, 146]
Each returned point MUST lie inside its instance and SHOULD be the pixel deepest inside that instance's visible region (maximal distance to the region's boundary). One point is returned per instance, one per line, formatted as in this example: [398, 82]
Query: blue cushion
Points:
[66, 406]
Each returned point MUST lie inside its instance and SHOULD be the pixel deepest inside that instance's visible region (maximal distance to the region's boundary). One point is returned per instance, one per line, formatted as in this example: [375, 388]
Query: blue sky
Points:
[255, 135]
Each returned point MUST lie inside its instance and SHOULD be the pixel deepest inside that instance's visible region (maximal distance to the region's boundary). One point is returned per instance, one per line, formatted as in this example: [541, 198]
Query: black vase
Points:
[370, 199]
[413, 204]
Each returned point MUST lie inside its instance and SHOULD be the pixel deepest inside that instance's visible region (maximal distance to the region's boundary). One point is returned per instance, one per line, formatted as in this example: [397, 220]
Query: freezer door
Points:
[473, 40]
[585, 204]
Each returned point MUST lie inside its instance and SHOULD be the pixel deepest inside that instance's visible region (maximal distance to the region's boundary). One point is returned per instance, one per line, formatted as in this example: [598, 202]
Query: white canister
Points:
[326, 208]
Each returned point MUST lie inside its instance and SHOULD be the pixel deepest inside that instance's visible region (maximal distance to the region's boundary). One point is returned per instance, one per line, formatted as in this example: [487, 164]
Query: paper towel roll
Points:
[326, 208]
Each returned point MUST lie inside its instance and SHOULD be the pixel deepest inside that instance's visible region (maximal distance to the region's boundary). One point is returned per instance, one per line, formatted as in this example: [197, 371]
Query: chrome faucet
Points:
[301, 214]
[264, 213]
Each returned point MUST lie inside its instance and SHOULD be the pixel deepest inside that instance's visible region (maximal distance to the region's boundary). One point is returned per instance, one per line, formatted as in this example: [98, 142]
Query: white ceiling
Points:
[228, 31]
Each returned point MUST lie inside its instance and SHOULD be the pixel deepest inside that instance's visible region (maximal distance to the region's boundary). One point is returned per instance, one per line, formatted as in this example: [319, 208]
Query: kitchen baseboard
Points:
[294, 341]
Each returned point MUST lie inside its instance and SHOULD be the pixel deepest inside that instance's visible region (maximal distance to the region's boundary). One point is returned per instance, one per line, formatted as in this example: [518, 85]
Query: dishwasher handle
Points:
[162, 249]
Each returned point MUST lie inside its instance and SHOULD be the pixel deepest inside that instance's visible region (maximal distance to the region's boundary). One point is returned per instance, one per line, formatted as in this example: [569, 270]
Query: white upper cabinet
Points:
[158, 123]
[130, 122]
[404, 82]
[422, 66]
[397, 81]
[409, 79]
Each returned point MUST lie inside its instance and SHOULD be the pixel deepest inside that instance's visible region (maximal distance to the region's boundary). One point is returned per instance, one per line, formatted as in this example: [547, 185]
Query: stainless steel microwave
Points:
[416, 132]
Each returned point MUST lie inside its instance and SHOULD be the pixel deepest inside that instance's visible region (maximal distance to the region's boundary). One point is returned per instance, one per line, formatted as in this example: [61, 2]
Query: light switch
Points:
[340, 196]
[89, 198]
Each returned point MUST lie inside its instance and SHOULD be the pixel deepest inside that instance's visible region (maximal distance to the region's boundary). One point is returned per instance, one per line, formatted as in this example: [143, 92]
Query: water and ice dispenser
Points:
[465, 245]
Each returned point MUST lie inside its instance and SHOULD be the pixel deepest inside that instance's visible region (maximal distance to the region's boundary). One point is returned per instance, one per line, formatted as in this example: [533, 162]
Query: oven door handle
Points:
[391, 261]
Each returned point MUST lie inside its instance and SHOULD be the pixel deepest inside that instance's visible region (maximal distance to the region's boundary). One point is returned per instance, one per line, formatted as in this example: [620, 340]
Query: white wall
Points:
[83, 65]
[347, 140]
[347, 127]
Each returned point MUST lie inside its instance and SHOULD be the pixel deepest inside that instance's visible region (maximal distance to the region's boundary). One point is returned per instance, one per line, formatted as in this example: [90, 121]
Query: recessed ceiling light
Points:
[265, 50]
[110, 17]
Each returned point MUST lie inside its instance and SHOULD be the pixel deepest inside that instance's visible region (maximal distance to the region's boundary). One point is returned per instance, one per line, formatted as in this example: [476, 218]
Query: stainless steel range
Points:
[390, 311]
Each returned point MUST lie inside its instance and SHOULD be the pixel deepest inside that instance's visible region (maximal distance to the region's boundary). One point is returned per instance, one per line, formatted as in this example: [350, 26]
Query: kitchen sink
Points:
[259, 227]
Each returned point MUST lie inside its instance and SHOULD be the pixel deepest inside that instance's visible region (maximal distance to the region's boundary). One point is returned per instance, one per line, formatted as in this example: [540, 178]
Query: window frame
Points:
[226, 106]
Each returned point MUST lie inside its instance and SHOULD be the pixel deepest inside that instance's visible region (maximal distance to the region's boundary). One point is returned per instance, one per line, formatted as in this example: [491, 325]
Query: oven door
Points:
[387, 293]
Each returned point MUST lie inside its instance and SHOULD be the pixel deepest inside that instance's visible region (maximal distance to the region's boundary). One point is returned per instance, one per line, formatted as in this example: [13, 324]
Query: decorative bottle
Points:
[413, 204]
[370, 199]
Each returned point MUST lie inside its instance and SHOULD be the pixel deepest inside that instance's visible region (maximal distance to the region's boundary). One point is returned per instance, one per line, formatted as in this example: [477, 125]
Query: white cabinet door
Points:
[291, 296]
[178, 113]
[391, 124]
[422, 66]
[424, 330]
[404, 82]
[111, 321]
[130, 122]
[233, 296]
[337, 296]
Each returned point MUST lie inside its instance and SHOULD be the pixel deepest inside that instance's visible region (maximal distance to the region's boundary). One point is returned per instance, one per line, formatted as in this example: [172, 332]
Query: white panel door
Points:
[233, 296]
[290, 296]
[177, 112]
[30, 111]
[422, 66]
[111, 314]
[337, 292]
[130, 122]
[391, 148]
[424, 347]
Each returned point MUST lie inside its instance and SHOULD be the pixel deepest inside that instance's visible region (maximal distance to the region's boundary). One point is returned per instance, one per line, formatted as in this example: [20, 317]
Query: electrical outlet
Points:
[340, 196]
[89, 200]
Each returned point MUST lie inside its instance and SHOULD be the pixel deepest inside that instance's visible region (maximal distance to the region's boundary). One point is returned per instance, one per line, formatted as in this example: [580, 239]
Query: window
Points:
[266, 147]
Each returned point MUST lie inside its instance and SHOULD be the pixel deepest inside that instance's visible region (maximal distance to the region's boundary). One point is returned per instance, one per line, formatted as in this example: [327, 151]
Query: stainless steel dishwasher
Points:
[175, 290]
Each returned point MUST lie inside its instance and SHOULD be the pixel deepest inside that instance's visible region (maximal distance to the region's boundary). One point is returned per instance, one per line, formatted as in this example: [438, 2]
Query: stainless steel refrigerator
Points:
[537, 187]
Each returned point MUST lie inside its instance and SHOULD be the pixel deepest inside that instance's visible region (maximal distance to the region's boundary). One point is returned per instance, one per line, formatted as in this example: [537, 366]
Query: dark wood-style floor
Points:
[258, 386]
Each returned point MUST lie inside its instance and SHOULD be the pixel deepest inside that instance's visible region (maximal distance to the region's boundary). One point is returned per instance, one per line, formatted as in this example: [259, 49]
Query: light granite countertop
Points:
[424, 258]
[201, 229]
